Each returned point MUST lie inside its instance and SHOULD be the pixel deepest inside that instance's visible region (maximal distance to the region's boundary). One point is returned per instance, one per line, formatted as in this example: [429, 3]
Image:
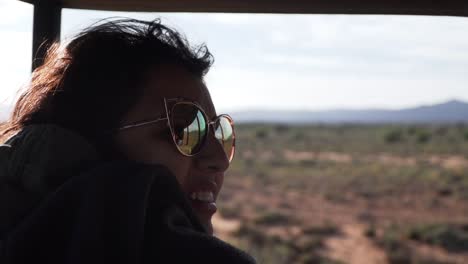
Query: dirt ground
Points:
[353, 247]
[351, 217]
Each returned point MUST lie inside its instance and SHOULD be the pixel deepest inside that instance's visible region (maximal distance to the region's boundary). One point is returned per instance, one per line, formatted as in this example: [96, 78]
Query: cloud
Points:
[299, 61]
[257, 90]
[15, 15]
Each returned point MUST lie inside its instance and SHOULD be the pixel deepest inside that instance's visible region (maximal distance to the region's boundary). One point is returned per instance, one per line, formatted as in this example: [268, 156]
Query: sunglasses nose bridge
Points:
[212, 124]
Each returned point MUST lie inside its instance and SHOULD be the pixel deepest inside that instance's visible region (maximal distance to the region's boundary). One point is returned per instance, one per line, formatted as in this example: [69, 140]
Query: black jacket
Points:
[60, 204]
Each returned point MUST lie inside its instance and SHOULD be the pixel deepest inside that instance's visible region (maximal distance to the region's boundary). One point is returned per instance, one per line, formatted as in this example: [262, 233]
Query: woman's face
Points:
[201, 174]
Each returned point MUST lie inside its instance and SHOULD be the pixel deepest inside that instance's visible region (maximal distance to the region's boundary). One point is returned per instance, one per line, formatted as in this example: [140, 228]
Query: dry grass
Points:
[295, 193]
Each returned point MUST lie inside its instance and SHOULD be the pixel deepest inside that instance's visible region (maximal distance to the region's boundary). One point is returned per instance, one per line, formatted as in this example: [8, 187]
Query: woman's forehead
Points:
[175, 82]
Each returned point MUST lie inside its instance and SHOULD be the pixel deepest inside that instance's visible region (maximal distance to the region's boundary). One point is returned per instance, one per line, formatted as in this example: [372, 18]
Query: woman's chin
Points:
[205, 220]
[208, 227]
[205, 211]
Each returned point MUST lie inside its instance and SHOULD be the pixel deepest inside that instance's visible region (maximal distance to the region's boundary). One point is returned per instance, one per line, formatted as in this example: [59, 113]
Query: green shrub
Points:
[230, 212]
[325, 230]
[370, 231]
[394, 136]
[423, 137]
[299, 136]
[394, 243]
[252, 234]
[308, 244]
[308, 163]
[281, 128]
[272, 218]
[264, 248]
[397, 251]
[412, 130]
[451, 237]
[441, 131]
[316, 259]
[261, 134]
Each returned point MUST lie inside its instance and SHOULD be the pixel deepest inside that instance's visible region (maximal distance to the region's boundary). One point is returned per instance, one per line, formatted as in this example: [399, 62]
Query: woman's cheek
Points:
[181, 171]
[167, 155]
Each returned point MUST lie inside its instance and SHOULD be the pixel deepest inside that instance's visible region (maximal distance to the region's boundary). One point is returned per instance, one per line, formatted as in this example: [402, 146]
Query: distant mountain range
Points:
[449, 112]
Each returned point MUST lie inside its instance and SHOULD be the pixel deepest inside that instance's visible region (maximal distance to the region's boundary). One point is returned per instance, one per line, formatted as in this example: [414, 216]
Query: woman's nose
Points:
[212, 157]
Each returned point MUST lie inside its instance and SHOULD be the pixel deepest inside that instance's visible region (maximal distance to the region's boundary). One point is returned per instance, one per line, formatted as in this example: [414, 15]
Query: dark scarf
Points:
[60, 204]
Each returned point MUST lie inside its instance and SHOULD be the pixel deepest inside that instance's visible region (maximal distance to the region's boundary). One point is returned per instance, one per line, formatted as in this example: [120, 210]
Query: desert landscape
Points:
[348, 193]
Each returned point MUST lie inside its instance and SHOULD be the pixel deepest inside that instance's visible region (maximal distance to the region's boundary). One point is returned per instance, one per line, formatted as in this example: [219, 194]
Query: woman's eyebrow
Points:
[212, 116]
[211, 112]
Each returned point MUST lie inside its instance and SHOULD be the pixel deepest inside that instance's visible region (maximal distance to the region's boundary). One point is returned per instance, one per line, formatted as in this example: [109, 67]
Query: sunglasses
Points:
[190, 127]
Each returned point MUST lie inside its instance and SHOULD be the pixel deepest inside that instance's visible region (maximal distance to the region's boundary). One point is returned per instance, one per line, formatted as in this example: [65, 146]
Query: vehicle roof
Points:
[409, 7]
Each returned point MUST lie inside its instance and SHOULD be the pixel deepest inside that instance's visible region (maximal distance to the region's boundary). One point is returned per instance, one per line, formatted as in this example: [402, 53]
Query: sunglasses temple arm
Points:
[142, 124]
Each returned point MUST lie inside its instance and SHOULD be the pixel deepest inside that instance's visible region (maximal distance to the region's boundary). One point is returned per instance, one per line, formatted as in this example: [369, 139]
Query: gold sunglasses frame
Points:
[168, 118]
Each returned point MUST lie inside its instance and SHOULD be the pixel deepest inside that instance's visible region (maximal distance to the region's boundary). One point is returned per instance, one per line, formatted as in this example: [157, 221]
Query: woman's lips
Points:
[203, 203]
[202, 197]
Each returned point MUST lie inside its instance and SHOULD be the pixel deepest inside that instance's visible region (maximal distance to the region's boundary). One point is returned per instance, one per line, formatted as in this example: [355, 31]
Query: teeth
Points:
[203, 196]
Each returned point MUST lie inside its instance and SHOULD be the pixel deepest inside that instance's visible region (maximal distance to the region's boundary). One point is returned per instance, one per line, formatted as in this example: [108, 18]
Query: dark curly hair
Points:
[87, 85]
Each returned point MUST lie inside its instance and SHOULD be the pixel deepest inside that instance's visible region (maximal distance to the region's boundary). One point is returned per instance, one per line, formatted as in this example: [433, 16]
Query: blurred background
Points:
[352, 144]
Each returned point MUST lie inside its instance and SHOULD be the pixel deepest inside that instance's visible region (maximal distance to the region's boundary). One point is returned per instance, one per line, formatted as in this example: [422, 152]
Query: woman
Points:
[115, 153]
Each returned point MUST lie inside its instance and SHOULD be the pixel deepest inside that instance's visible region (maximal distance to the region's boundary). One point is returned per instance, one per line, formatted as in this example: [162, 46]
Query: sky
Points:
[296, 62]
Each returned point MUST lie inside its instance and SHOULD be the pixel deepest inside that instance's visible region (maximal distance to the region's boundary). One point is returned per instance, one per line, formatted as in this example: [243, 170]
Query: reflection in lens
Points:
[189, 127]
[225, 135]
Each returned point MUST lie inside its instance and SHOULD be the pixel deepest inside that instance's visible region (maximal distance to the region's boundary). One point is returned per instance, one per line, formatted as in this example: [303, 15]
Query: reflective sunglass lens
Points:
[224, 132]
[189, 127]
